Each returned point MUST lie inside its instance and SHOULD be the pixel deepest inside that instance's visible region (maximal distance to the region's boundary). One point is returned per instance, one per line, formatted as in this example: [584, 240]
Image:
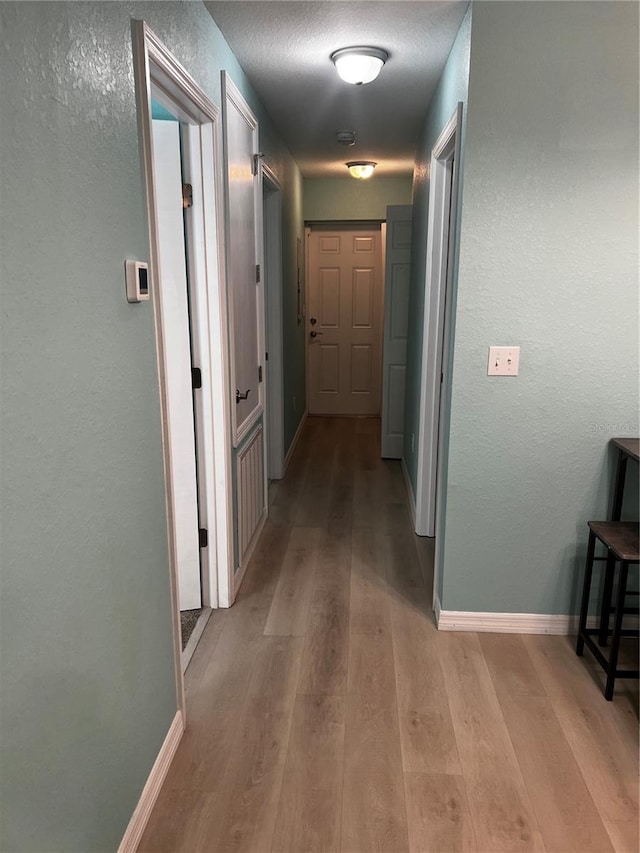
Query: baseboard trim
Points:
[437, 610]
[504, 623]
[411, 499]
[292, 446]
[514, 623]
[142, 812]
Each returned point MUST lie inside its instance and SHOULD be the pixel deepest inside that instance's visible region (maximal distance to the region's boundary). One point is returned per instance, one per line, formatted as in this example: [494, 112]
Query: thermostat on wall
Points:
[137, 279]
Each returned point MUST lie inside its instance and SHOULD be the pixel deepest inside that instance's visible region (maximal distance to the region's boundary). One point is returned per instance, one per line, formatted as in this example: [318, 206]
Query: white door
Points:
[244, 204]
[396, 318]
[344, 321]
[244, 252]
[173, 296]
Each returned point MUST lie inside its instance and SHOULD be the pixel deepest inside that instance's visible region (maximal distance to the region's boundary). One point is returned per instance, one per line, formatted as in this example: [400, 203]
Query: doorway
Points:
[274, 358]
[194, 351]
[437, 334]
[173, 206]
[344, 319]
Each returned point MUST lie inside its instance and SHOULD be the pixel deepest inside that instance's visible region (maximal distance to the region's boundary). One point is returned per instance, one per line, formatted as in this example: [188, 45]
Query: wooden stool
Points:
[620, 538]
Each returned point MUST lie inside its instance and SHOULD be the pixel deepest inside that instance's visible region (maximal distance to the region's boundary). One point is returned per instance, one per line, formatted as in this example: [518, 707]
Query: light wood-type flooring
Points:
[327, 713]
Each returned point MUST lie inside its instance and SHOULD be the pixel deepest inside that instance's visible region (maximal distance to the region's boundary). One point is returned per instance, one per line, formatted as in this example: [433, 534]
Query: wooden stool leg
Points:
[603, 633]
[586, 590]
[617, 628]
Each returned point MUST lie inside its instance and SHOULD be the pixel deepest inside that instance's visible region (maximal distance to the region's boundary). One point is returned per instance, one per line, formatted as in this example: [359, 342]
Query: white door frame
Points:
[272, 277]
[443, 194]
[158, 74]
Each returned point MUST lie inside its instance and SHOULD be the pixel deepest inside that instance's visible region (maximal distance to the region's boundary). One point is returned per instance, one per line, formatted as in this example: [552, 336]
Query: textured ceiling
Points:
[284, 48]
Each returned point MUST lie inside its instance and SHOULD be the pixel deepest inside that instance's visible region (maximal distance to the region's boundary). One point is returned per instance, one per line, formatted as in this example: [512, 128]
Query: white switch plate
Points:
[503, 361]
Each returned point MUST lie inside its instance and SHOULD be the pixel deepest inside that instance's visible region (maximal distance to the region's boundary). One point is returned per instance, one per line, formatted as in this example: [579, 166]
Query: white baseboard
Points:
[292, 446]
[140, 817]
[411, 498]
[503, 623]
[437, 610]
[514, 623]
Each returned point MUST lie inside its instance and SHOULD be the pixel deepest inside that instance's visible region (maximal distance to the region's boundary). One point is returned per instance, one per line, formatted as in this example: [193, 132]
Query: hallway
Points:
[327, 713]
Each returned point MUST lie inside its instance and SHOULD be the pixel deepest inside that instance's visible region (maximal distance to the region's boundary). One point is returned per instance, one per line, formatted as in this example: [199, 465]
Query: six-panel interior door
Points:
[344, 321]
[396, 321]
[173, 296]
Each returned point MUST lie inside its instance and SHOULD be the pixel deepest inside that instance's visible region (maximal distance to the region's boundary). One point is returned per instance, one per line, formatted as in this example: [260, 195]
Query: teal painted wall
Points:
[160, 113]
[451, 89]
[347, 198]
[549, 261]
[87, 672]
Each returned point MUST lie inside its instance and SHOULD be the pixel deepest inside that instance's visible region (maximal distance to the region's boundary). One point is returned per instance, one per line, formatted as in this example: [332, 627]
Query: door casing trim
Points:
[157, 72]
[439, 277]
[272, 274]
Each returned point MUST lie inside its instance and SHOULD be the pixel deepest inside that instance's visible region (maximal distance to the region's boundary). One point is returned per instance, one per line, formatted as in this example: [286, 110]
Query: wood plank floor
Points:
[326, 713]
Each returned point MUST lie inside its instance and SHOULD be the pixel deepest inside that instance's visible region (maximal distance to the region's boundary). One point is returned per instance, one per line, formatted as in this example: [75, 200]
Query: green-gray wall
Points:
[88, 688]
[347, 198]
[548, 261]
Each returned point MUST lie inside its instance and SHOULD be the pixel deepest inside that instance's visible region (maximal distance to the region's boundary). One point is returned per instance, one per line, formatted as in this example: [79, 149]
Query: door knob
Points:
[315, 334]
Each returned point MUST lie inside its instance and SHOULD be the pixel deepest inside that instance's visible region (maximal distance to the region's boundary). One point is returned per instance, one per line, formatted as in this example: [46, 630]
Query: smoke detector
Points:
[346, 137]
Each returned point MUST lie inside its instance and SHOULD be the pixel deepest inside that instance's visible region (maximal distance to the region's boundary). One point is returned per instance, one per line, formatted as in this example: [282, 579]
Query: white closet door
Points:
[172, 292]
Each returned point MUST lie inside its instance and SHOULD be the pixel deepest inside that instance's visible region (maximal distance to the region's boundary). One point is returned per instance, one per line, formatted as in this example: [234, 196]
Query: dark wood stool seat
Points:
[622, 541]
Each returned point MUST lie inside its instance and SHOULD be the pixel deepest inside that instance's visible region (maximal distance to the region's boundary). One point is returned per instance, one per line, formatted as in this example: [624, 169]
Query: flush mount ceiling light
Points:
[361, 168]
[359, 65]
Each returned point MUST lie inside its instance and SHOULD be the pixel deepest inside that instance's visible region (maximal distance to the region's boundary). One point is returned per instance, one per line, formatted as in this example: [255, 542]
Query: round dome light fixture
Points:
[359, 65]
[361, 169]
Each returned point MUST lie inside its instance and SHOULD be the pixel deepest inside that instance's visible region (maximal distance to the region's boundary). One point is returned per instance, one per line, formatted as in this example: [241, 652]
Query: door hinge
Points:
[441, 378]
[266, 356]
[203, 535]
[256, 160]
[187, 195]
[260, 373]
[196, 377]
[257, 273]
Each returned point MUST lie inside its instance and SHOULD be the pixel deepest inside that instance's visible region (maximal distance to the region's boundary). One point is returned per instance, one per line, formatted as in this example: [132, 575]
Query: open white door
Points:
[244, 212]
[173, 293]
[244, 262]
[396, 319]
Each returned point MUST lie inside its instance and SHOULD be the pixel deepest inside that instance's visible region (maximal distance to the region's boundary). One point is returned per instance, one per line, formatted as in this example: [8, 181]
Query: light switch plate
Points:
[503, 361]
